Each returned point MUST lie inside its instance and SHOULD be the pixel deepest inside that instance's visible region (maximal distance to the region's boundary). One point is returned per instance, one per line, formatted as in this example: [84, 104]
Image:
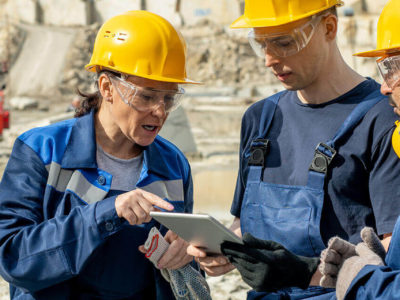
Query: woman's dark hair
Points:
[89, 101]
[333, 11]
[92, 100]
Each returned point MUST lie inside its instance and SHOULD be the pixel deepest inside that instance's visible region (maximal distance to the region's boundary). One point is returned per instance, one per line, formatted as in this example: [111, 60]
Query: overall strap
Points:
[325, 152]
[259, 146]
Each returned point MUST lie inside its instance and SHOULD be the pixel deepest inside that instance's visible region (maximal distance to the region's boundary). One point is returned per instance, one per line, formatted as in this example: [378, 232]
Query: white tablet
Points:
[202, 231]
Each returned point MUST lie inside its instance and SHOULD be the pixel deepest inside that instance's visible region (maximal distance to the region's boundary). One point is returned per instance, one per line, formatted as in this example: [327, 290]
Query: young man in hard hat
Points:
[365, 275]
[315, 160]
[75, 196]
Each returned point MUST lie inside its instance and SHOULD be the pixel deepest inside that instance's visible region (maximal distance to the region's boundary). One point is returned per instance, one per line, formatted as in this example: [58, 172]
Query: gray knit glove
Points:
[332, 259]
[353, 265]
[369, 252]
[186, 283]
[341, 261]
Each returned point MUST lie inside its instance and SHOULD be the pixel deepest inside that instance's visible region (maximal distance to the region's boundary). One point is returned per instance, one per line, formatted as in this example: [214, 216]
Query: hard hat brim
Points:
[92, 68]
[378, 52]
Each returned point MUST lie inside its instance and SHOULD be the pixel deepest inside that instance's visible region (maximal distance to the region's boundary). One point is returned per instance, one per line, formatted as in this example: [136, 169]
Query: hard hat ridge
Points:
[269, 13]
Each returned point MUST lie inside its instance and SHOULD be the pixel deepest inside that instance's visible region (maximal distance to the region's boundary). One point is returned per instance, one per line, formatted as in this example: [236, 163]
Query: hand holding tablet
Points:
[200, 230]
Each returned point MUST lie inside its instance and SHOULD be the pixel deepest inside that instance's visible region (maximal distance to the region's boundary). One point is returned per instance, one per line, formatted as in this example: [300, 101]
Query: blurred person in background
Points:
[76, 195]
[366, 275]
[316, 160]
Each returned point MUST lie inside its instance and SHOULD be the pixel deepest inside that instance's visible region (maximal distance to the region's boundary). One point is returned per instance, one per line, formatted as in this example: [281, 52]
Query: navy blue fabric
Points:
[360, 189]
[291, 215]
[313, 292]
[53, 245]
[380, 282]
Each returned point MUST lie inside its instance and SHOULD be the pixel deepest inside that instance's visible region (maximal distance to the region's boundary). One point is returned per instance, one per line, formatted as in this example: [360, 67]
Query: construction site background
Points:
[44, 45]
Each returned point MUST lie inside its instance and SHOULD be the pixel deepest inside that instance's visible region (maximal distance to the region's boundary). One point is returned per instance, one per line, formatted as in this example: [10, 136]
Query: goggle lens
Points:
[389, 67]
[284, 44]
[147, 99]
[281, 46]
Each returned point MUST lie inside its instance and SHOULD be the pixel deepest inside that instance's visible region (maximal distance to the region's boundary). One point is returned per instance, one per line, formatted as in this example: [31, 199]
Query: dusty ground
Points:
[214, 179]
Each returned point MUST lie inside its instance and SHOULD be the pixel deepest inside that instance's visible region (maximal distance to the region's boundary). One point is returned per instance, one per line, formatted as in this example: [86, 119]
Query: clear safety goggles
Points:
[389, 67]
[146, 99]
[284, 44]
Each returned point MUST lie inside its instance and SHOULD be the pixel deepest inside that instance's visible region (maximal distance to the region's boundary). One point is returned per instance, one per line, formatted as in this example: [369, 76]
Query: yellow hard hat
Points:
[396, 139]
[143, 44]
[268, 13]
[388, 38]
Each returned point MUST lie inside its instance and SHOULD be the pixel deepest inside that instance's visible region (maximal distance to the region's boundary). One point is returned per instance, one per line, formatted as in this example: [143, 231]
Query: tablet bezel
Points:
[200, 230]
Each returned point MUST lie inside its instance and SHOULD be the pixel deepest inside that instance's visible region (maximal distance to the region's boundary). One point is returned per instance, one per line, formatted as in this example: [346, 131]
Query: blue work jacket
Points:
[60, 236]
[380, 282]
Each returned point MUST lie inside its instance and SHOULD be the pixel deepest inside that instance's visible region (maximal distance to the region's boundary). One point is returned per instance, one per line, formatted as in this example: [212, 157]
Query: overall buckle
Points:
[322, 158]
[258, 151]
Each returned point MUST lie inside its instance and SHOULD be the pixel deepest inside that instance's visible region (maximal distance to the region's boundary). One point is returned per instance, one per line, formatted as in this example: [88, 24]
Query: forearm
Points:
[36, 256]
[235, 227]
[316, 278]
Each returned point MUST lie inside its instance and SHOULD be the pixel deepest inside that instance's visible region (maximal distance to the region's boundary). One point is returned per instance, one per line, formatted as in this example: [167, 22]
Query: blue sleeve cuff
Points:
[361, 280]
[106, 217]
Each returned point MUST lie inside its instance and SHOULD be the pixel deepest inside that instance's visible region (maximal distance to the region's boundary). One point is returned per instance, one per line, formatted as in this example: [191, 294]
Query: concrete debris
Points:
[177, 130]
[23, 103]
[11, 40]
[74, 76]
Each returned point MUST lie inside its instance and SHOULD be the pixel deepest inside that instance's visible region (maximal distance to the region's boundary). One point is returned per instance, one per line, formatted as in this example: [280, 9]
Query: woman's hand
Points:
[135, 206]
[175, 257]
[212, 265]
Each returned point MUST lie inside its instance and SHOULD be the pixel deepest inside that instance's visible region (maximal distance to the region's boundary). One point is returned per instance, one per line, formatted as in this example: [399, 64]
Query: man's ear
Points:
[330, 26]
[105, 87]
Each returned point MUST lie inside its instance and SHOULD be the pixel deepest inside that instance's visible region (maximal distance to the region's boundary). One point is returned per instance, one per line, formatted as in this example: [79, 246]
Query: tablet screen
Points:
[200, 230]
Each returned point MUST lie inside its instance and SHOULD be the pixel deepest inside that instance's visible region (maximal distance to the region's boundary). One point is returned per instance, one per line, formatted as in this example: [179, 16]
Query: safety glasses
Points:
[146, 99]
[284, 44]
[389, 67]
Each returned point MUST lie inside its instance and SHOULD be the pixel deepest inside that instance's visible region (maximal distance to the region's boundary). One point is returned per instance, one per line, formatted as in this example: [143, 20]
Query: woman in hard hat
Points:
[316, 160]
[365, 276]
[75, 196]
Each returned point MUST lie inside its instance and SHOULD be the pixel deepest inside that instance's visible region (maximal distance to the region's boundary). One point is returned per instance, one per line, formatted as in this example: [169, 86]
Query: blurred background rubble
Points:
[44, 45]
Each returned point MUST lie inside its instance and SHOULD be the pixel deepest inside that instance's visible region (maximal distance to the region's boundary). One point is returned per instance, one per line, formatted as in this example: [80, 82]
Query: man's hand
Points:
[175, 257]
[268, 266]
[135, 206]
[212, 265]
[215, 265]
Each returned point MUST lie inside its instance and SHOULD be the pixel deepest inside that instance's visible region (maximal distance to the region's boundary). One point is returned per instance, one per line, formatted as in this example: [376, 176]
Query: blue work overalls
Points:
[287, 214]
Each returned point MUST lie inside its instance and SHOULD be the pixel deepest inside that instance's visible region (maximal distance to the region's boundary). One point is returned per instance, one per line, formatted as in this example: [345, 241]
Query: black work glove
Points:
[268, 266]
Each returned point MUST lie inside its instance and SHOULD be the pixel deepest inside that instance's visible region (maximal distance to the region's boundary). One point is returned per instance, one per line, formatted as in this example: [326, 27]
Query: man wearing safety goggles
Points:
[366, 274]
[316, 160]
[389, 67]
